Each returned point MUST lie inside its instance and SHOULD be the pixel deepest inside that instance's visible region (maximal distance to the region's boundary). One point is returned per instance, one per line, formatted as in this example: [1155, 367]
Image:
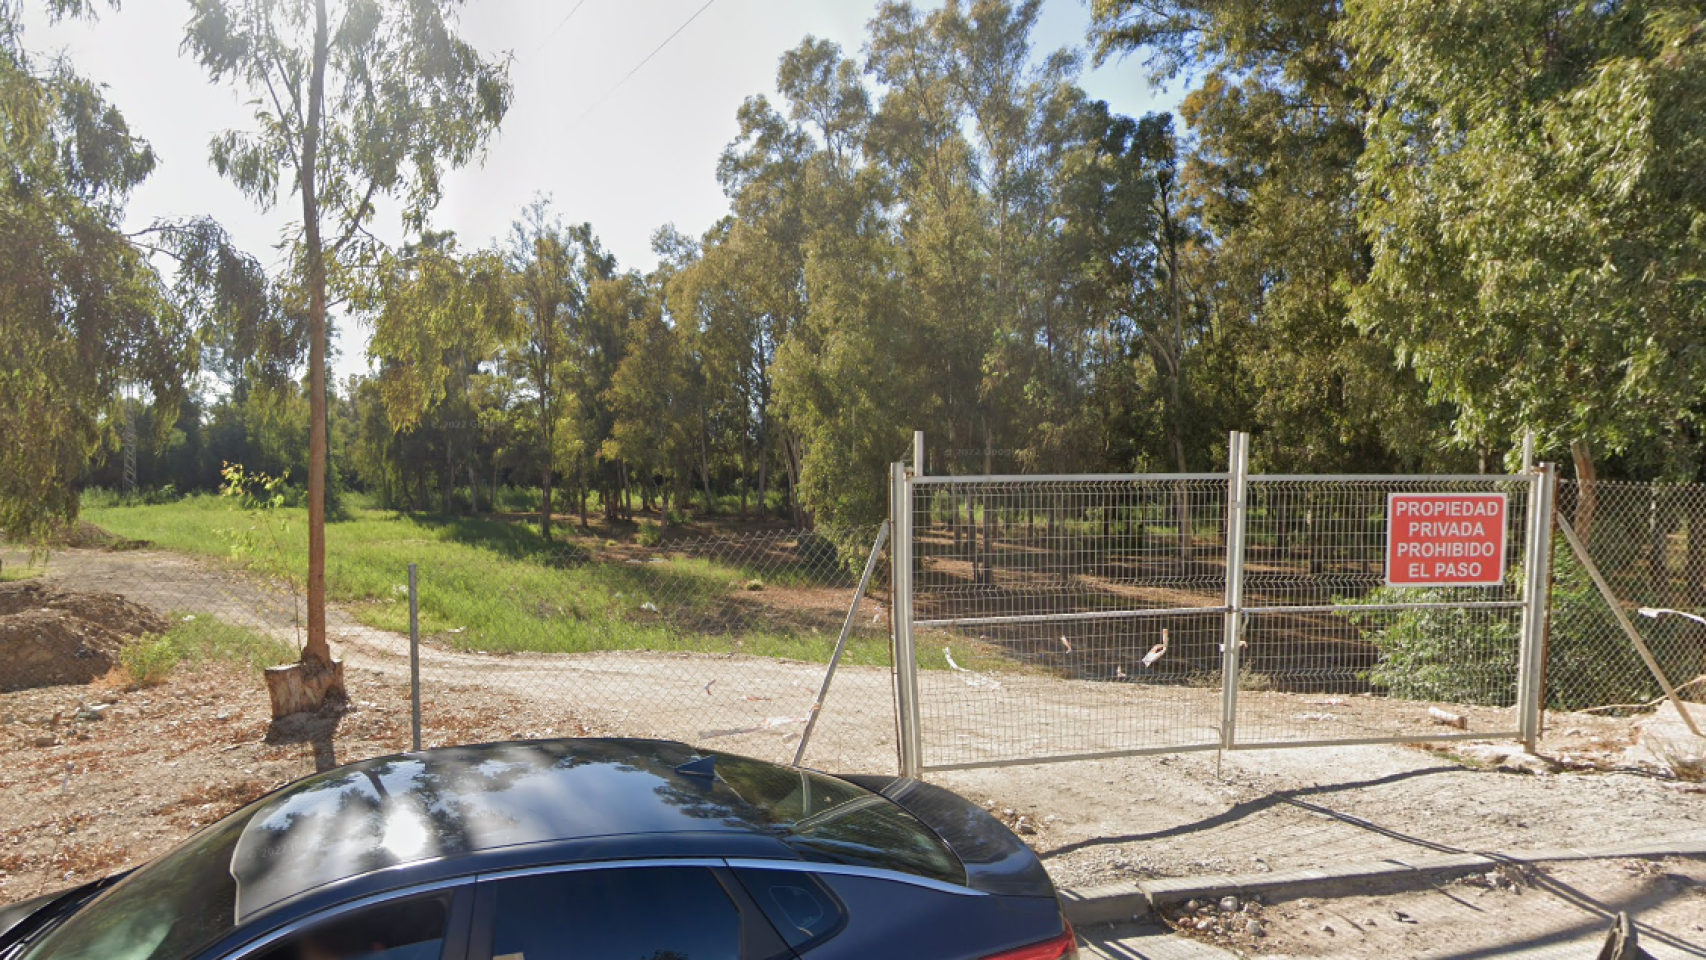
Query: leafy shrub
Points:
[1448, 654]
[1470, 656]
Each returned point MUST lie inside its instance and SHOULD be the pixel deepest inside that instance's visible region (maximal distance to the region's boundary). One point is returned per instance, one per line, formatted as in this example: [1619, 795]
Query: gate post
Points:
[1536, 597]
[900, 599]
[1237, 508]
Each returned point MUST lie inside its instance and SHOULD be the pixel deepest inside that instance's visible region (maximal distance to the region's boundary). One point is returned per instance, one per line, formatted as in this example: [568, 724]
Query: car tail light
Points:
[1063, 947]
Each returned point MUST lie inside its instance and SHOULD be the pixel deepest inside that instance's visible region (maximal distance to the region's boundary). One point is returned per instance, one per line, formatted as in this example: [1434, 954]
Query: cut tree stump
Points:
[304, 687]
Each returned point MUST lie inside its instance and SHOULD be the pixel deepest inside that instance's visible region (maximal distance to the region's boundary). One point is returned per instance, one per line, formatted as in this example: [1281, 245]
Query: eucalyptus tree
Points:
[439, 316]
[1268, 182]
[1534, 198]
[547, 296]
[355, 101]
[83, 310]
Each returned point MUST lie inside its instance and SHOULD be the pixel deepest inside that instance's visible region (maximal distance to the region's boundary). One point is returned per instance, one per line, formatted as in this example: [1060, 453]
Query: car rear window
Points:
[833, 821]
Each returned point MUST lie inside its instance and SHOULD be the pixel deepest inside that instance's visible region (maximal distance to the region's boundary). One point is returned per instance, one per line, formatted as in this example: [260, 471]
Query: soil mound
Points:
[50, 636]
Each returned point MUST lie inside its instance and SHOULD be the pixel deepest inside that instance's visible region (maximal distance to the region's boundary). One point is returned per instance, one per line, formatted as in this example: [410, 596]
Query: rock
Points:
[1191, 906]
[43, 742]
[1024, 827]
[1327, 929]
[1228, 904]
[98, 712]
[1402, 917]
[1254, 928]
[1524, 762]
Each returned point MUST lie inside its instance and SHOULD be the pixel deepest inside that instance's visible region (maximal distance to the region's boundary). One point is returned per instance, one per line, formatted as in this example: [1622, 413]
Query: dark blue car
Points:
[596, 849]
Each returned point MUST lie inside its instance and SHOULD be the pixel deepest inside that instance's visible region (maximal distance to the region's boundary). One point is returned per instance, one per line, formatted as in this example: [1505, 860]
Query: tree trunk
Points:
[580, 490]
[745, 471]
[545, 500]
[1587, 477]
[324, 679]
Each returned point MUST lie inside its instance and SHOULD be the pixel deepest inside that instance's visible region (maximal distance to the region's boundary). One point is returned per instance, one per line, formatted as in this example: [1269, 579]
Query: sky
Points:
[628, 156]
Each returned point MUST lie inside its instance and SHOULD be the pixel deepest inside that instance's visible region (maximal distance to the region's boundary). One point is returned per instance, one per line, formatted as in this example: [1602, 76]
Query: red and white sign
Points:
[1445, 539]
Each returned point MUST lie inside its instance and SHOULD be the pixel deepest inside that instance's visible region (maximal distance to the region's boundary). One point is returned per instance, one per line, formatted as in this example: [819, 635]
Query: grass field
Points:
[492, 584]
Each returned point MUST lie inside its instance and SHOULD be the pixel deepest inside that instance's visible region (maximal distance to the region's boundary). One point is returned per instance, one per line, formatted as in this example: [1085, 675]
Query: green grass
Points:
[13, 572]
[198, 638]
[494, 585]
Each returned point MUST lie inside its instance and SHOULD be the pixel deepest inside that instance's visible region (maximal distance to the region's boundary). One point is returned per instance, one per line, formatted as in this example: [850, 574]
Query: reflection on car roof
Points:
[462, 800]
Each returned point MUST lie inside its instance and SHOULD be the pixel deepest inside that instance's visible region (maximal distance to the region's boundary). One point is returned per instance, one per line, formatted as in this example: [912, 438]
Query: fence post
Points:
[1536, 595]
[900, 598]
[414, 659]
[1237, 502]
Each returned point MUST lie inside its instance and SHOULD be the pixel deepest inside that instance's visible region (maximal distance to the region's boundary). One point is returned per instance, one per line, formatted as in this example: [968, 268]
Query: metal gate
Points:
[1046, 618]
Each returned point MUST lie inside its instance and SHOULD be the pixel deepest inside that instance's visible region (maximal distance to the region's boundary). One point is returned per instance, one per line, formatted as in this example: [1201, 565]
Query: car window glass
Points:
[649, 913]
[827, 819]
[797, 905]
[168, 909]
[406, 930]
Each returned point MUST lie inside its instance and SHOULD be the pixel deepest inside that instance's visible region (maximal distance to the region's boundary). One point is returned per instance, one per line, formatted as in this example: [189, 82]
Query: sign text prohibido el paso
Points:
[1445, 539]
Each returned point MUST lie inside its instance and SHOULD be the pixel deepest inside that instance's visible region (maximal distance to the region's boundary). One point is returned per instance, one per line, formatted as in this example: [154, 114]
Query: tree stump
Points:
[304, 687]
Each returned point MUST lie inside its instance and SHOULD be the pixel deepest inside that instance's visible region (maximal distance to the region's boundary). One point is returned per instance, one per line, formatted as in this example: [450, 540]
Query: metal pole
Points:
[1237, 506]
[918, 453]
[1635, 637]
[414, 658]
[841, 642]
[1527, 451]
[905, 655]
[1536, 595]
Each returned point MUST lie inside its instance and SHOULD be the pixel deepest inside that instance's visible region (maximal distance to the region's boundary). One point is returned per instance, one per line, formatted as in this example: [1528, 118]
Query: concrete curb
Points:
[1125, 902]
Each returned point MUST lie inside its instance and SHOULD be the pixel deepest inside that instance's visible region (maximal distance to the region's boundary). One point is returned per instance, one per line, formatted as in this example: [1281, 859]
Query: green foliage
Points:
[83, 312]
[200, 638]
[1533, 200]
[1447, 654]
[1457, 655]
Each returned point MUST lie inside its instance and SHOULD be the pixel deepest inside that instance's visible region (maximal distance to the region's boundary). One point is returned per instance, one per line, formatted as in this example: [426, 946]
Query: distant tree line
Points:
[1380, 235]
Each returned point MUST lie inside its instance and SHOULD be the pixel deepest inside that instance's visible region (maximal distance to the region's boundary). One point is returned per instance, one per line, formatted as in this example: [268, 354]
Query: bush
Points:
[1470, 656]
[1447, 654]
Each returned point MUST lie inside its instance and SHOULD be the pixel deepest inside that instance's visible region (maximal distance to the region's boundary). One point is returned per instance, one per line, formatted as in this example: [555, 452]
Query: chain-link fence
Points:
[80, 612]
[1039, 614]
[720, 641]
[1088, 616]
[1649, 541]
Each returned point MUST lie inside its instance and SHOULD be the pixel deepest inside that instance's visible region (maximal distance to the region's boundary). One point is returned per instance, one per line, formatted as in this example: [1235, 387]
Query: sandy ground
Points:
[96, 778]
[1558, 909]
[198, 745]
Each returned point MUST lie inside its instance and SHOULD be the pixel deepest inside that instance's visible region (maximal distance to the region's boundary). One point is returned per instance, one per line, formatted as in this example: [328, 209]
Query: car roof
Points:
[459, 802]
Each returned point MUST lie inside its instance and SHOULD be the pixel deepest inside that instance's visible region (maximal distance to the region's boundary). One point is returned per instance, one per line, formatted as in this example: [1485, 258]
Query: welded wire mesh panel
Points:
[1067, 617]
[1333, 650]
[1375, 673]
[1649, 541]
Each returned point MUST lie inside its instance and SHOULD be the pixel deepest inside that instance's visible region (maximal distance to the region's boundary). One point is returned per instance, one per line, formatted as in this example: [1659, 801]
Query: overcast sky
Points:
[628, 161]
